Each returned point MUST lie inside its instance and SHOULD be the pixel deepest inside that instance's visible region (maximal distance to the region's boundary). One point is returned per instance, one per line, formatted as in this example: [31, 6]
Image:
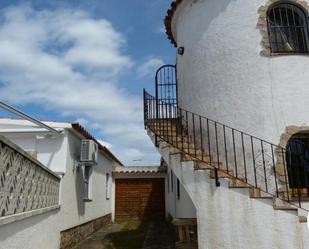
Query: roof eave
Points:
[81, 130]
[168, 21]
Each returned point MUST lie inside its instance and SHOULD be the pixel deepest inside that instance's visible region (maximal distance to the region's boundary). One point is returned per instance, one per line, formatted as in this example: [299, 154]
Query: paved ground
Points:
[160, 235]
[100, 239]
[157, 235]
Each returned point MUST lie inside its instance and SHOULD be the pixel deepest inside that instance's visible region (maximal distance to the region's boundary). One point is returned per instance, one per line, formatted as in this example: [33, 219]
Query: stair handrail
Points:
[191, 124]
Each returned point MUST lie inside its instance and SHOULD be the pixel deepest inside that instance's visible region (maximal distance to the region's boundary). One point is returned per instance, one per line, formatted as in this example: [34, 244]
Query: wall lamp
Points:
[180, 50]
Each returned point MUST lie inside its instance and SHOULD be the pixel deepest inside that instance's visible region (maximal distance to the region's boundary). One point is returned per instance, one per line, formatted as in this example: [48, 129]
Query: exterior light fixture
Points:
[181, 50]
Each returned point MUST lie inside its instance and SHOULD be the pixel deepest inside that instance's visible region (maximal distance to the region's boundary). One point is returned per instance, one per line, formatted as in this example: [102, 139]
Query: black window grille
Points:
[288, 28]
[297, 160]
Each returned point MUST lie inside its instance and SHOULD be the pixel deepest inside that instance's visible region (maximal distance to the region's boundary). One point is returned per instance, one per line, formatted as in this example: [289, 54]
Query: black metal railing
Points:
[272, 170]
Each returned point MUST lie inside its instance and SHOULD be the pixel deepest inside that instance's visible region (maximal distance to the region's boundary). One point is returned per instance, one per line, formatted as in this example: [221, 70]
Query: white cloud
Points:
[149, 67]
[67, 61]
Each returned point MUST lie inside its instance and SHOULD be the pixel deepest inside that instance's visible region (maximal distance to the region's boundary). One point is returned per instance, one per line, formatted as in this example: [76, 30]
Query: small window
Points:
[107, 186]
[178, 189]
[168, 182]
[172, 181]
[87, 183]
[288, 28]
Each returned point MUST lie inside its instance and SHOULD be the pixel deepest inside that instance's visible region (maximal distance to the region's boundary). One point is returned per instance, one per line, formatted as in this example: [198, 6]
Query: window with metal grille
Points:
[288, 28]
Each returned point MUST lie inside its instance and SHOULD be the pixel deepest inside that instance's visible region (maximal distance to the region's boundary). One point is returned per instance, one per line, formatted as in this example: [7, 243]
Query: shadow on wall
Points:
[99, 169]
[213, 10]
[80, 190]
[46, 146]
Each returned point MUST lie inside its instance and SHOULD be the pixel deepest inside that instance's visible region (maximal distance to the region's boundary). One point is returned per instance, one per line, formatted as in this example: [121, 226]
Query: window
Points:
[107, 186]
[288, 28]
[178, 189]
[172, 181]
[297, 160]
[87, 183]
[168, 182]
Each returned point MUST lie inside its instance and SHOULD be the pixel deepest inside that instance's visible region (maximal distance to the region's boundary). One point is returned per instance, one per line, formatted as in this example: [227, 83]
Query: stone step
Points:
[256, 193]
[279, 204]
[294, 194]
[221, 174]
[163, 145]
[186, 157]
[236, 183]
[174, 151]
[193, 152]
[202, 166]
[302, 219]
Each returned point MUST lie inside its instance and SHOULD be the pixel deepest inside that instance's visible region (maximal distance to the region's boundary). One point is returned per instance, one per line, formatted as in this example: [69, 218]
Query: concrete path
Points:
[159, 235]
[99, 239]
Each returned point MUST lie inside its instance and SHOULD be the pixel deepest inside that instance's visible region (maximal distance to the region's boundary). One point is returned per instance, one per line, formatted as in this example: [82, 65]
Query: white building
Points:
[86, 198]
[242, 111]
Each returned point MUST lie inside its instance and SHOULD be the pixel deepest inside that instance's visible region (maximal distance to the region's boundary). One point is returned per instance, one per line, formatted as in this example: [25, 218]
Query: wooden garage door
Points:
[141, 199]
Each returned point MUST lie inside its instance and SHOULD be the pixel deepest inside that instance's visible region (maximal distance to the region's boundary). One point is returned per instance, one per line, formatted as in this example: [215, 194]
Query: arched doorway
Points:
[297, 160]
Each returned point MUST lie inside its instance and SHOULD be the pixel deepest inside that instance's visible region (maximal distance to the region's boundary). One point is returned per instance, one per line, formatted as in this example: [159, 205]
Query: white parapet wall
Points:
[29, 199]
[27, 186]
[70, 217]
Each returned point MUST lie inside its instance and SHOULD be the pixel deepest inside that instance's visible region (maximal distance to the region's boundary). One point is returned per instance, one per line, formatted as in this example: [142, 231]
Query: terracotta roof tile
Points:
[168, 21]
[151, 170]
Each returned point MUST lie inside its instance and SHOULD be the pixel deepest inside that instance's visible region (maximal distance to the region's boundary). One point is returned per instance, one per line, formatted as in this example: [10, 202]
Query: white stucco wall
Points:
[223, 76]
[177, 208]
[229, 218]
[43, 231]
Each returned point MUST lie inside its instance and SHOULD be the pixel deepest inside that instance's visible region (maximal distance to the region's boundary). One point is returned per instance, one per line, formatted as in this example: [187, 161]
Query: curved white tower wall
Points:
[223, 75]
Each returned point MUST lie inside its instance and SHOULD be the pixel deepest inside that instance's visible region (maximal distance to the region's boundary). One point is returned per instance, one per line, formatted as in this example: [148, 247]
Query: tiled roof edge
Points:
[168, 21]
[81, 130]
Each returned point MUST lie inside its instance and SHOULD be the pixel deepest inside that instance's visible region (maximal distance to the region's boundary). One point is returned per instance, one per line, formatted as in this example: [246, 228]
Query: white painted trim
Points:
[24, 215]
[28, 130]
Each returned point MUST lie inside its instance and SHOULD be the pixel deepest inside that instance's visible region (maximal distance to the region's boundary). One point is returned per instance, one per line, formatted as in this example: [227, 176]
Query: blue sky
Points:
[85, 61]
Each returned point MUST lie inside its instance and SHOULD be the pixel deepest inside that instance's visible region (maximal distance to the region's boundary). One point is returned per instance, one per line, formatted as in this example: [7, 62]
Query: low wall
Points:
[25, 184]
[72, 236]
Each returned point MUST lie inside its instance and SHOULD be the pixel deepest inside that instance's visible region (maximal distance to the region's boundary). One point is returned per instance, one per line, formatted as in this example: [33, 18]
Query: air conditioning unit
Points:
[89, 152]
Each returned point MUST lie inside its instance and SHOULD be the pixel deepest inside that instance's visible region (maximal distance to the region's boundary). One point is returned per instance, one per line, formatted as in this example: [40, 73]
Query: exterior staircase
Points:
[243, 160]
